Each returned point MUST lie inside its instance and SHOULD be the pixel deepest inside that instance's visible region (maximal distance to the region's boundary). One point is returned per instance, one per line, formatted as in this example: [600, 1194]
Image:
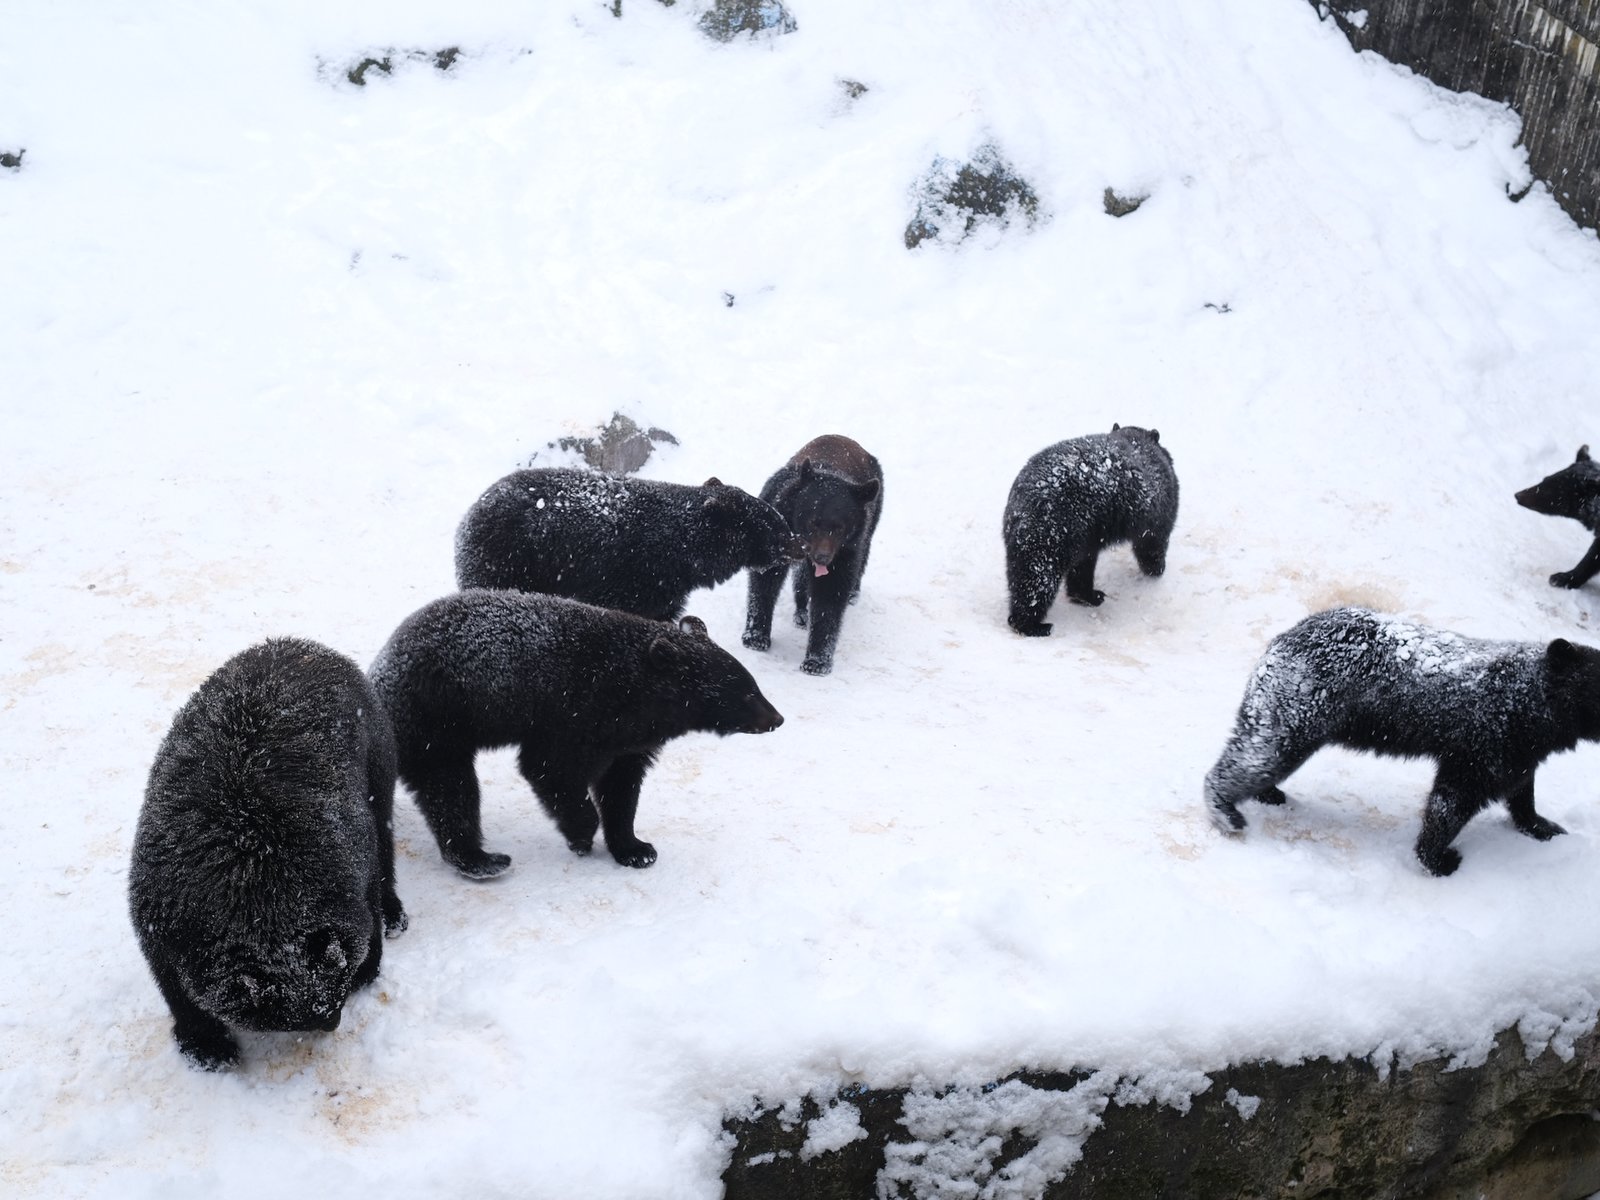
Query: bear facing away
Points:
[1488, 713]
[831, 494]
[590, 695]
[1072, 500]
[262, 882]
[1573, 491]
[639, 545]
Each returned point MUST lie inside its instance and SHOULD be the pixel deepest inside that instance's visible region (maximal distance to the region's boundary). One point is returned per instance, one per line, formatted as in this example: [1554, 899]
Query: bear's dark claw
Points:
[1541, 829]
[639, 854]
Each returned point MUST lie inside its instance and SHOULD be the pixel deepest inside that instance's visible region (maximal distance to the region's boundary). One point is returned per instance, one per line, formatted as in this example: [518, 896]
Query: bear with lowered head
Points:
[588, 695]
[1573, 491]
[1072, 500]
[262, 881]
[1487, 713]
[639, 545]
[831, 494]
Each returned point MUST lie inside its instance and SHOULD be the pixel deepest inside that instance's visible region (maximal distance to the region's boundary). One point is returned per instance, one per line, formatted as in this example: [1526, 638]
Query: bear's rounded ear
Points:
[1562, 654]
[718, 502]
[1583, 453]
[712, 482]
[663, 653]
[1115, 426]
[867, 492]
[807, 470]
[695, 626]
[1155, 435]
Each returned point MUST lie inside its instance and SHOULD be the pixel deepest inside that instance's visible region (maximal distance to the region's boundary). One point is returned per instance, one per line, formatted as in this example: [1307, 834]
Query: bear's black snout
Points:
[763, 717]
[1529, 498]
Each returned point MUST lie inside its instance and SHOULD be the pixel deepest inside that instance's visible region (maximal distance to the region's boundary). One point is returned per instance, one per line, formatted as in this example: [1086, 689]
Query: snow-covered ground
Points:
[264, 335]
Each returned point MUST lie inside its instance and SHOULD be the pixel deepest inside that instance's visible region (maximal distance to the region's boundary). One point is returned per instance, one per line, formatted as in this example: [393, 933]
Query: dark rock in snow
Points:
[727, 19]
[955, 200]
[1118, 205]
[12, 160]
[620, 447]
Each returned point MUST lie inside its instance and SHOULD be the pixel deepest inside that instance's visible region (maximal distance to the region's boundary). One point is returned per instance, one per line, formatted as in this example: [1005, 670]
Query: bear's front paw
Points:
[1092, 599]
[208, 1051]
[1541, 829]
[580, 846]
[817, 666]
[802, 618]
[1565, 579]
[482, 865]
[635, 854]
[1441, 862]
[1272, 796]
[395, 920]
[757, 641]
[1226, 817]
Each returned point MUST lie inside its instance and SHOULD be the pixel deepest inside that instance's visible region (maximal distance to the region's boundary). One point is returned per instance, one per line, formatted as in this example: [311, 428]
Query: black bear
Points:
[262, 882]
[634, 544]
[1572, 492]
[831, 493]
[1487, 713]
[589, 694]
[1072, 500]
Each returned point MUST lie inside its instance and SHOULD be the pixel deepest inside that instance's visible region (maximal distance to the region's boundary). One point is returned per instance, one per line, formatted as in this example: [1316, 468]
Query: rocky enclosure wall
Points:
[1542, 59]
[1513, 1128]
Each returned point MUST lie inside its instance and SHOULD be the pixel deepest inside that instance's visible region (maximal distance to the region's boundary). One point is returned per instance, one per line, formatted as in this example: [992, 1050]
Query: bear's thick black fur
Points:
[589, 694]
[1072, 500]
[639, 545]
[1488, 713]
[262, 882]
[1573, 491]
[831, 493]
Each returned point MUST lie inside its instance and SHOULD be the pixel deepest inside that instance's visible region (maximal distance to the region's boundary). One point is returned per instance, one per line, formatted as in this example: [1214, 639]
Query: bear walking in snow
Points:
[1488, 713]
[1573, 491]
[831, 493]
[262, 882]
[589, 694]
[638, 545]
[1072, 500]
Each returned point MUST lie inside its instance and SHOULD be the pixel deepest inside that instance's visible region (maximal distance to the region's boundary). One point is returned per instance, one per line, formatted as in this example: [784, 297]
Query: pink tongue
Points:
[821, 570]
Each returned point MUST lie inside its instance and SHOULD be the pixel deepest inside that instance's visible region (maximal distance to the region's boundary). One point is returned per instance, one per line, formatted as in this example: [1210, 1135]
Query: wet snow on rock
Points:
[268, 334]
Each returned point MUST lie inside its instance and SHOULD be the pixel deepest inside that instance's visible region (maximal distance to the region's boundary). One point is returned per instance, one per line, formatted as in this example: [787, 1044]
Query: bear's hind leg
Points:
[1033, 577]
[802, 594]
[1150, 552]
[1250, 768]
[618, 791]
[380, 787]
[1586, 570]
[446, 790]
[564, 794]
[1528, 821]
[763, 598]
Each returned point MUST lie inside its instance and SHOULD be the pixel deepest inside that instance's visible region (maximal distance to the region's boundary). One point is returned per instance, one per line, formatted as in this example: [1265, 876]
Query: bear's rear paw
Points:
[209, 1051]
[757, 641]
[1028, 628]
[1440, 862]
[1092, 599]
[1226, 817]
[817, 666]
[1566, 579]
[1541, 828]
[482, 866]
[394, 917]
[1272, 796]
[580, 846]
[635, 854]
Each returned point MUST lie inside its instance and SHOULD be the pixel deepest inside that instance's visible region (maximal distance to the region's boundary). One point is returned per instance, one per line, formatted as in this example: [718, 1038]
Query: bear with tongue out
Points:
[831, 493]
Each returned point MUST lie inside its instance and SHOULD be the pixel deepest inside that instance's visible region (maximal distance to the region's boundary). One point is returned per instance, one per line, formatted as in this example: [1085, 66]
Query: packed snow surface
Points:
[266, 334]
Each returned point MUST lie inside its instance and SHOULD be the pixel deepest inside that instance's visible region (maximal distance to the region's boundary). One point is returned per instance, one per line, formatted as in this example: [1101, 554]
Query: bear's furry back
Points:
[1103, 487]
[1380, 683]
[639, 545]
[256, 825]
